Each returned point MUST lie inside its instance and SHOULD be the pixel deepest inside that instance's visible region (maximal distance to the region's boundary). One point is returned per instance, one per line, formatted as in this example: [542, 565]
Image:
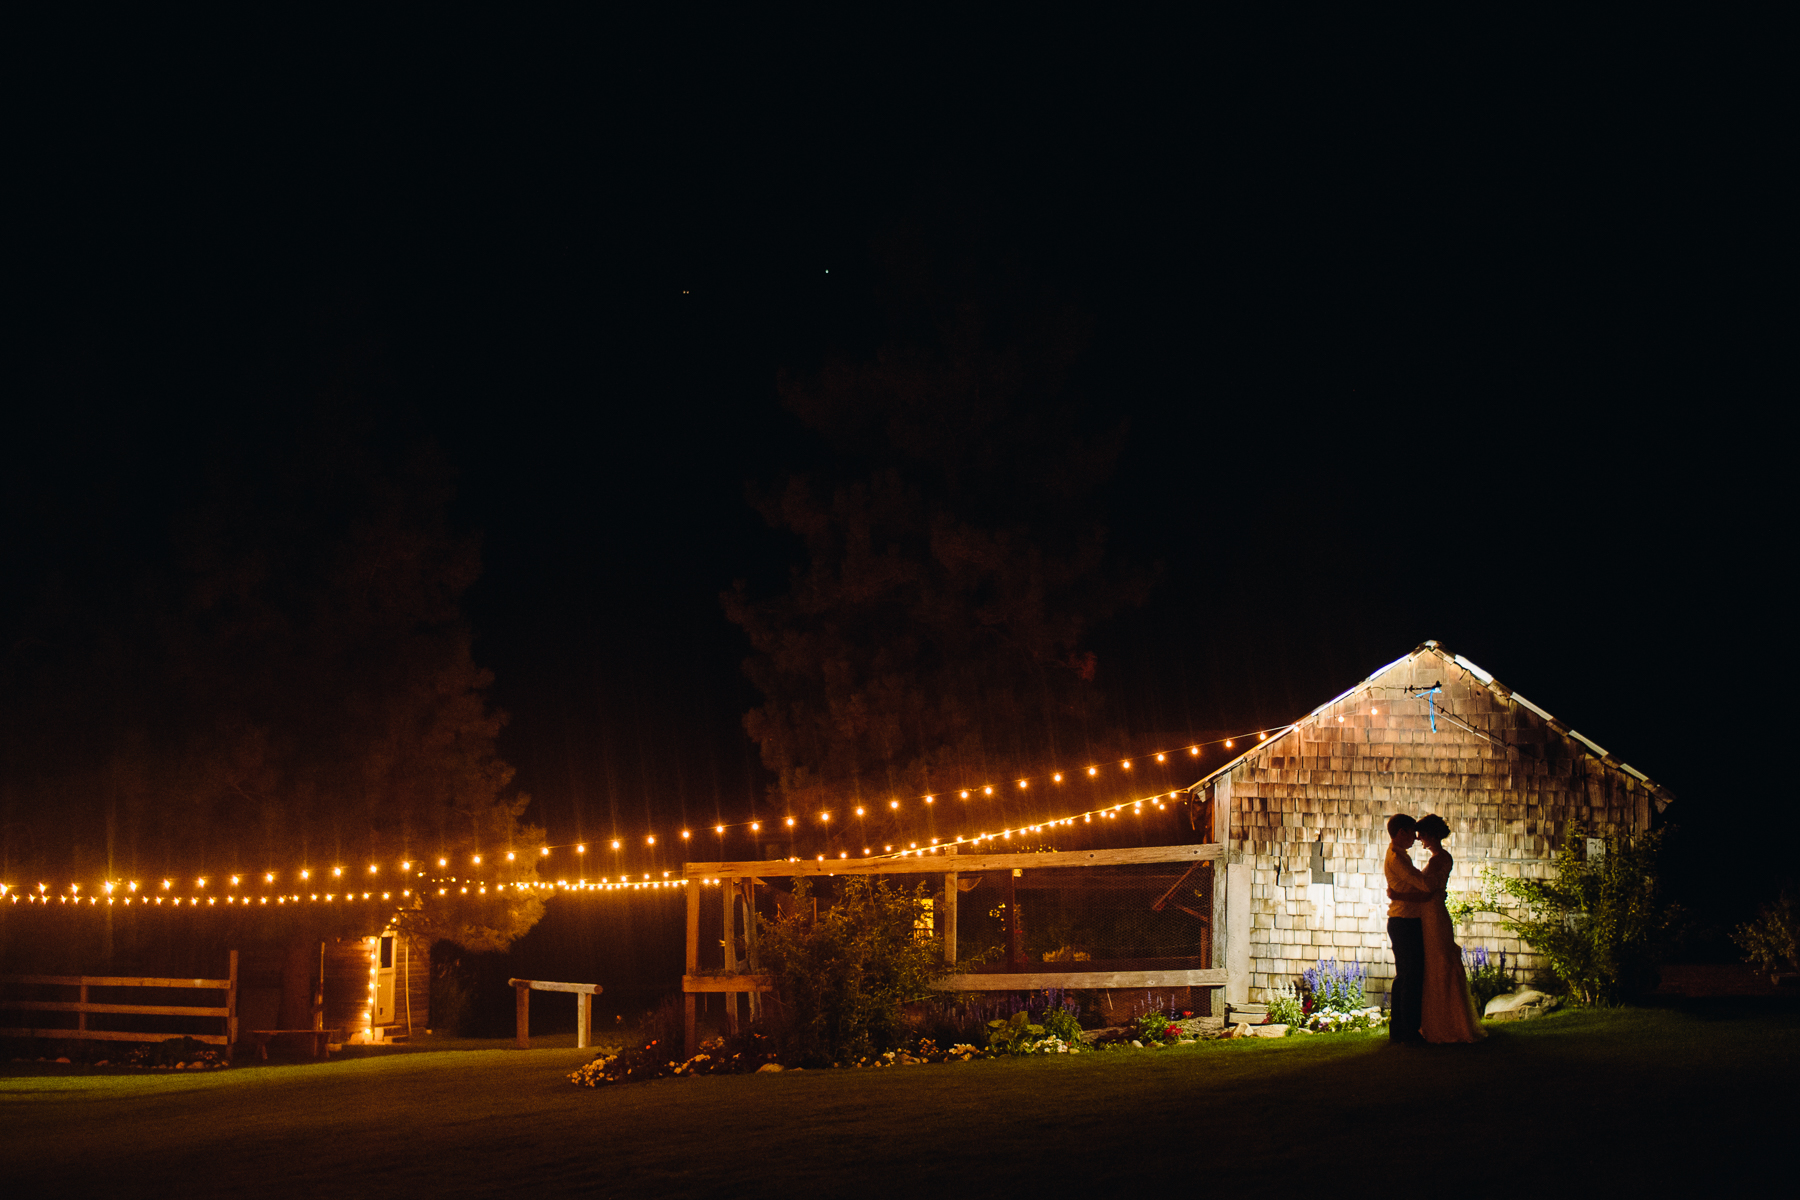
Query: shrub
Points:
[1769, 941]
[1486, 897]
[1488, 976]
[842, 976]
[1061, 1022]
[1335, 987]
[1015, 1036]
[1155, 1026]
[1286, 1008]
[1603, 921]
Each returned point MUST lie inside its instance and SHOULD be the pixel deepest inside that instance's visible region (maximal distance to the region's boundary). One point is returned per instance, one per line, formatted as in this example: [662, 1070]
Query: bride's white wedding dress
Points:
[1449, 1011]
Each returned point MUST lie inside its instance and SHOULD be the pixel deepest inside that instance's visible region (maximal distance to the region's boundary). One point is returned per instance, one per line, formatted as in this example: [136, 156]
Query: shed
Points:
[374, 987]
[1303, 812]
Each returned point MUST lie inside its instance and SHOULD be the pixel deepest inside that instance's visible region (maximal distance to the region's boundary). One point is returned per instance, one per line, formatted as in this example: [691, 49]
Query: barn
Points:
[1303, 811]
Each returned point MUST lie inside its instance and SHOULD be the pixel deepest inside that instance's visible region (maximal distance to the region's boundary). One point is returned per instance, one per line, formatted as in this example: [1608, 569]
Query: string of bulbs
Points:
[338, 886]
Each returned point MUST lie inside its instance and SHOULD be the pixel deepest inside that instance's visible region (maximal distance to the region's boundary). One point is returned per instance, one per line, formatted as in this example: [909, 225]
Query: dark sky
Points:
[1488, 353]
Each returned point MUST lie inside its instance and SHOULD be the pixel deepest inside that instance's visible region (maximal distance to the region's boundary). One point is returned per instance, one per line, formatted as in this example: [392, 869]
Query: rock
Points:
[768, 1068]
[1135, 1045]
[1521, 1005]
[62, 1060]
[1267, 1031]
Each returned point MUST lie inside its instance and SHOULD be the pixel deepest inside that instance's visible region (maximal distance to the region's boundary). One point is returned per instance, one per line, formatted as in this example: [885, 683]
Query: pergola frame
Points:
[743, 877]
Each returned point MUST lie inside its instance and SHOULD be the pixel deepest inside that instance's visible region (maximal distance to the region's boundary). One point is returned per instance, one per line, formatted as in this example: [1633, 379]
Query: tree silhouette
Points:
[284, 680]
[954, 562]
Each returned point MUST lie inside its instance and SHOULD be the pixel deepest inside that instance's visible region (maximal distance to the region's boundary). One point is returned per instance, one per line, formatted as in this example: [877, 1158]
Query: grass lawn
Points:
[1634, 1100]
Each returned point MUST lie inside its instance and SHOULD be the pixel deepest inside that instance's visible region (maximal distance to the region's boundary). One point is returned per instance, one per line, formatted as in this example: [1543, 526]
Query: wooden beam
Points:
[544, 985]
[111, 1035]
[1027, 981]
[114, 981]
[950, 894]
[584, 1019]
[231, 1017]
[689, 1039]
[148, 1010]
[727, 983]
[933, 863]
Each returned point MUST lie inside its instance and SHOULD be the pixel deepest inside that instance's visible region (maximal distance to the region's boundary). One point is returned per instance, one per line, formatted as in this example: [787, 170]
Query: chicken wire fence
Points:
[1135, 917]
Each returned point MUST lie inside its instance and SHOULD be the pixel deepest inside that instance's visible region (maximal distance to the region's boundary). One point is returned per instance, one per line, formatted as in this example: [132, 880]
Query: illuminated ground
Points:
[1623, 1101]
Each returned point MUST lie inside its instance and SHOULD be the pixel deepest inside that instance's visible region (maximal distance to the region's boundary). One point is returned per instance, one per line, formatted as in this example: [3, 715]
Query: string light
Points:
[895, 804]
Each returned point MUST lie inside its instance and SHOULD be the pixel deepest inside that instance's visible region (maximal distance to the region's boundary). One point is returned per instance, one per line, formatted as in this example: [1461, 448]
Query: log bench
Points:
[321, 1040]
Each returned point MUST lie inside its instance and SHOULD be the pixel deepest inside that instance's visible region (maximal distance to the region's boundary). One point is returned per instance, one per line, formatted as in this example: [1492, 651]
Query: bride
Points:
[1449, 1011]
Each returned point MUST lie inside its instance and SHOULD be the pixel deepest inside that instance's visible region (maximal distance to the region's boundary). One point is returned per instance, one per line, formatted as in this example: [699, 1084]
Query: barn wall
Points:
[1508, 806]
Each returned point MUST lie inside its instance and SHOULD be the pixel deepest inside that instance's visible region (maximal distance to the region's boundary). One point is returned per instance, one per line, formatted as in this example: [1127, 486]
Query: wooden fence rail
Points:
[82, 1007]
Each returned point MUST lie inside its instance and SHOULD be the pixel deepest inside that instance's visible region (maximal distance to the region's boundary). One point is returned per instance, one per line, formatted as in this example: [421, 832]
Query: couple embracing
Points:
[1430, 1001]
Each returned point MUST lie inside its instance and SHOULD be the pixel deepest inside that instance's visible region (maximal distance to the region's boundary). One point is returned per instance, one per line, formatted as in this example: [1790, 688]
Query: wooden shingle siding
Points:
[1509, 805]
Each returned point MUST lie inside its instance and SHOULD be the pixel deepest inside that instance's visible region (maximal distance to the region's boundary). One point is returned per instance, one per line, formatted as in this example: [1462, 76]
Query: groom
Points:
[1408, 892]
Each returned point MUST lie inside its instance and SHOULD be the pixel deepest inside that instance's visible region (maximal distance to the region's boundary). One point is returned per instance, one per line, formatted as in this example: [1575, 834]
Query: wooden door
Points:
[386, 960]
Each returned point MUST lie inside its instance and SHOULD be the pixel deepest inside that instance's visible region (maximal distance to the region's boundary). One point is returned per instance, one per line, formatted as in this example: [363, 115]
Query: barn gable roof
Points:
[1662, 795]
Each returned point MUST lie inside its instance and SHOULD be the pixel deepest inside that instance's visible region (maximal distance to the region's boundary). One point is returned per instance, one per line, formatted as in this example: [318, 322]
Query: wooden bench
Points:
[321, 1040]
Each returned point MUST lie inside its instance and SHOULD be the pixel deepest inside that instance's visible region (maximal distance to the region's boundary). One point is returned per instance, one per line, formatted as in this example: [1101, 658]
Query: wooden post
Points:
[231, 1018]
[584, 1018]
[1218, 805]
[689, 1042]
[1012, 920]
[522, 1012]
[81, 1013]
[748, 889]
[950, 915]
[728, 909]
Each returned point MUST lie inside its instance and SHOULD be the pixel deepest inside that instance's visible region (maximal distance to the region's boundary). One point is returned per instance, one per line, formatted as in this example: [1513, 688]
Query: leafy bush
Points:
[1154, 1026]
[1286, 1008]
[1603, 921]
[1488, 976]
[1015, 1036]
[1332, 986]
[1487, 897]
[1769, 941]
[842, 976]
[1060, 1022]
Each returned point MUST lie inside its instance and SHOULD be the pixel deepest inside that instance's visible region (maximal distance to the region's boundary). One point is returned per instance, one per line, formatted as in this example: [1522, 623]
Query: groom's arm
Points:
[1412, 897]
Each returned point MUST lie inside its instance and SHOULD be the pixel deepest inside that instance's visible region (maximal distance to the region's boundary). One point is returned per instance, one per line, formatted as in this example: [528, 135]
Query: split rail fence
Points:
[83, 1006]
[1141, 917]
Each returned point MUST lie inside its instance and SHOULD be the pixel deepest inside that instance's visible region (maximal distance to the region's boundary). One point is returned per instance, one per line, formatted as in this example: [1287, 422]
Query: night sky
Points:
[1492, 363]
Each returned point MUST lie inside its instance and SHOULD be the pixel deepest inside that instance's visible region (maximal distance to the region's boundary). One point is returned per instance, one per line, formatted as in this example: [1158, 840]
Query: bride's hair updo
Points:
[1433, 827]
